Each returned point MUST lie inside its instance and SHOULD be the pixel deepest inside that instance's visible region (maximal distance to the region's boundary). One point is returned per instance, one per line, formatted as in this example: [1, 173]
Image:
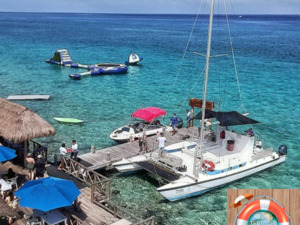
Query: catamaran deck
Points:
[103, 158]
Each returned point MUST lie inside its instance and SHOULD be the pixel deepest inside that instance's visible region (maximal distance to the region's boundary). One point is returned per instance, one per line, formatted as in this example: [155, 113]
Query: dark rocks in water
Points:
[115, 192]
[150, 213]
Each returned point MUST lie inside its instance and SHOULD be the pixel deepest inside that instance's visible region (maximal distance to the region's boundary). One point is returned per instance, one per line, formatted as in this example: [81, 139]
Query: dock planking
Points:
[100, 160]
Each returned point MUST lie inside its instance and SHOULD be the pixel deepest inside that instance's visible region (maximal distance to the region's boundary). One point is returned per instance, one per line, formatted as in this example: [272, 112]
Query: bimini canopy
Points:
[149, 113]
[227, 118]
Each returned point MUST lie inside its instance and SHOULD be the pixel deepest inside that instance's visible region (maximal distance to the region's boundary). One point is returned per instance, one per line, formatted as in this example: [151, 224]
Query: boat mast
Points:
[197, 160]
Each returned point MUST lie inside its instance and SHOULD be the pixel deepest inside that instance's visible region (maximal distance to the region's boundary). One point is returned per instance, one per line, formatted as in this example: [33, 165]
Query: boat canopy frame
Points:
[226, 119]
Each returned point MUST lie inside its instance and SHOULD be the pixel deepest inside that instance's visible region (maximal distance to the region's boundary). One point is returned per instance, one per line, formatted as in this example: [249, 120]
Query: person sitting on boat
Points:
[249, 132]
[161, 143]
[141, 126]
[174, 122]
[157, 123]
[188, 118]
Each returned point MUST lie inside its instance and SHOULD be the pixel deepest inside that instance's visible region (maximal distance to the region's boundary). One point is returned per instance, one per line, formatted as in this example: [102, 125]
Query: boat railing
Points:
[74, 220]
[263, 154]
[87, 176]
[100, 192]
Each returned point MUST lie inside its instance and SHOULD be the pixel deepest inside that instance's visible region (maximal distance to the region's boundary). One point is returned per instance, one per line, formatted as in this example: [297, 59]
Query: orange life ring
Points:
[209, 165]
[263, 204]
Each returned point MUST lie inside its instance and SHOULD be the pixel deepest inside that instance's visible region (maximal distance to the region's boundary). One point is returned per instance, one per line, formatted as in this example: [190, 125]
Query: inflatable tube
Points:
[133, 59]
[264, 205]
[75, 76]
[180, 123]
[74, 65]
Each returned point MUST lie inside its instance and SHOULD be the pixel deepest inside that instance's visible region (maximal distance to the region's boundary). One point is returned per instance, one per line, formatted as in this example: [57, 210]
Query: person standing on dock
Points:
[188, 118]
[140, 144]
[63, 152]
[161, 143]
[74, 150]
[173, 123]
[30, 165]
[145, 144]
[39, 167]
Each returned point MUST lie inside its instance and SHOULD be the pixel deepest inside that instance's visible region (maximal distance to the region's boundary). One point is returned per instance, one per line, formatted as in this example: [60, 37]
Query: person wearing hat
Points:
[30, 165]
[39, 167]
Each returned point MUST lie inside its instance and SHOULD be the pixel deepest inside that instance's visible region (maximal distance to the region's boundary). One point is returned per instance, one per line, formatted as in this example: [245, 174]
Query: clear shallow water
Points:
[267, 55]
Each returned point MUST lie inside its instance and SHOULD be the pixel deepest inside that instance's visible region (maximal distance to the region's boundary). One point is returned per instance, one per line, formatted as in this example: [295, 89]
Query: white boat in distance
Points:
[148, 125]
[220, 157]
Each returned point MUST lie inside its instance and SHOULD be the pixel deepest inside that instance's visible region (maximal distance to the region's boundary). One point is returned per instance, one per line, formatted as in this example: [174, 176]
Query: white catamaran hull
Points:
[197, 188]
[127, 166]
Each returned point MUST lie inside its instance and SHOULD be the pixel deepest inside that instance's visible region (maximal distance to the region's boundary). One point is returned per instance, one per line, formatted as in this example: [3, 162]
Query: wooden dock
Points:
[28, 97]
[105, 157]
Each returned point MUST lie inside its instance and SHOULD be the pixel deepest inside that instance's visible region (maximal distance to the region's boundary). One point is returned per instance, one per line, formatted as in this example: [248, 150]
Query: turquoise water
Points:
[267, 56]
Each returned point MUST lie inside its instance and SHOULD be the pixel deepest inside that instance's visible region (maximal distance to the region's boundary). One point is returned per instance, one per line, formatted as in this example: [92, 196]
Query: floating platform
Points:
[105, 157]
[62, 58]
[28, 97]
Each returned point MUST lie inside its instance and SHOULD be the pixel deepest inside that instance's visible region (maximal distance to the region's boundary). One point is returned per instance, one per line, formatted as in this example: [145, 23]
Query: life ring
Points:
[266, 205]
[208, 165]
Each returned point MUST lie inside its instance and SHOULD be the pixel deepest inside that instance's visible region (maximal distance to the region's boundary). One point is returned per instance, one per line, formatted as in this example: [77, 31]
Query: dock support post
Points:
[92, 149]
[25, 153]
[108, 158]
[192, 115]
[92, 193]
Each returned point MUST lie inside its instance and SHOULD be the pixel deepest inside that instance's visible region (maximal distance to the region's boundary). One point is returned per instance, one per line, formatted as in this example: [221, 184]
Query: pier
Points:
[93, 206]
[103, 158]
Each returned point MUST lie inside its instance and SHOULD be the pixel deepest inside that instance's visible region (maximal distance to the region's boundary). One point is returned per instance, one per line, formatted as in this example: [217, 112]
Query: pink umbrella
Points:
[149, 113]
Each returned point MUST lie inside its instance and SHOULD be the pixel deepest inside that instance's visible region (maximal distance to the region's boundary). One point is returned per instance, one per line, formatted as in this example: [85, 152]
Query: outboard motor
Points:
[180, 123]
[282, 150]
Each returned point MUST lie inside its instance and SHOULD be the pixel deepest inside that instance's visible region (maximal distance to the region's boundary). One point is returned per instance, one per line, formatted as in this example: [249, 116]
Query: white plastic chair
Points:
[13, 181]
[31, 219]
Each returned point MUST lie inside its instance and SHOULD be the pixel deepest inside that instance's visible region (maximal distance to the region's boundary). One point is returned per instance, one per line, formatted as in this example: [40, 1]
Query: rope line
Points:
[233, 58]
[188, 43]
[189, 94]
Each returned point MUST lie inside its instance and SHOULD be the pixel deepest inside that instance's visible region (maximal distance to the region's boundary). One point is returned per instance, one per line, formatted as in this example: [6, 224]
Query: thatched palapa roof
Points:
[18, 123]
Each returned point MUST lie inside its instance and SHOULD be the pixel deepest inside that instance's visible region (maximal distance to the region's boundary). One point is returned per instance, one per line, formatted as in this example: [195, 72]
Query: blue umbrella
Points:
[47, 193]
[6, 154]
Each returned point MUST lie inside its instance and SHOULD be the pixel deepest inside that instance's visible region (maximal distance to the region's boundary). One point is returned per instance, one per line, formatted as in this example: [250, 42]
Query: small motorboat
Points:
[133, 59]
[147, 124]
[68, 120]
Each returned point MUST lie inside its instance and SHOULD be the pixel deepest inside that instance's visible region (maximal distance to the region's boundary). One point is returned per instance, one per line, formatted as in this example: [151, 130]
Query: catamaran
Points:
[221, 156]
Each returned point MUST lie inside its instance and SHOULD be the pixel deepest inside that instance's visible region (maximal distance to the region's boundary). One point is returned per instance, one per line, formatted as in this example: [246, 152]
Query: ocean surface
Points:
[267, 54]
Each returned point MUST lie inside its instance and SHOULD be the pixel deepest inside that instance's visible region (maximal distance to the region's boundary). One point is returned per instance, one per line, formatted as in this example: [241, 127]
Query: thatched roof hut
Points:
[20, 124]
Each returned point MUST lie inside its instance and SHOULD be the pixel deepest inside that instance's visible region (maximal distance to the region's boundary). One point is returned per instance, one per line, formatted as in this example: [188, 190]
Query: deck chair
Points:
[14, 204]
[13, 181]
